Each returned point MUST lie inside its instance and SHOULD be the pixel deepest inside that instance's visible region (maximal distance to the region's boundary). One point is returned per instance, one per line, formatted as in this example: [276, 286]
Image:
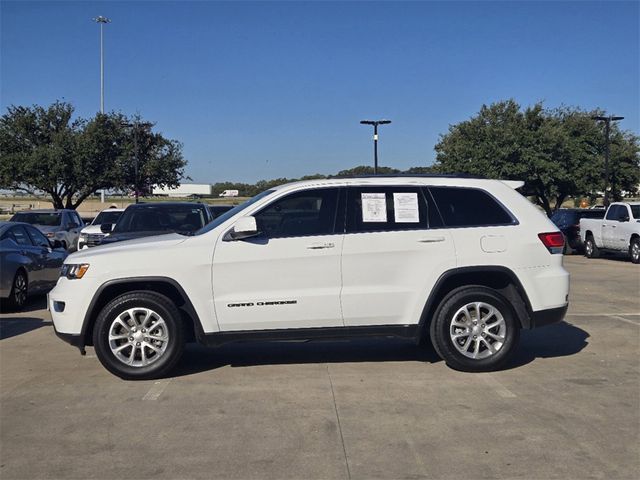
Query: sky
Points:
[260, 90]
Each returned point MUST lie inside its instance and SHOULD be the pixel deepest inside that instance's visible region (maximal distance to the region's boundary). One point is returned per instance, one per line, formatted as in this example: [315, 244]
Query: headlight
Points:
[74, 270]
[83, 237]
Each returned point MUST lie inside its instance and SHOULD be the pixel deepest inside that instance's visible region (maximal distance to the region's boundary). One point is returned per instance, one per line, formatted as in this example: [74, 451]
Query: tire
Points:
[591, 250]
[136, 352]
[456, 315]
[634, 250]
[19, 290]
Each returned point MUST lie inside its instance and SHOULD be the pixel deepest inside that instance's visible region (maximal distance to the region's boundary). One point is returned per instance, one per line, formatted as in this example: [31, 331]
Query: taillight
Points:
[554, 241]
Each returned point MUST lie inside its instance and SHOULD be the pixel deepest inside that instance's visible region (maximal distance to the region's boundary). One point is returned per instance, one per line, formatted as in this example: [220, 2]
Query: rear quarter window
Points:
[470, 207]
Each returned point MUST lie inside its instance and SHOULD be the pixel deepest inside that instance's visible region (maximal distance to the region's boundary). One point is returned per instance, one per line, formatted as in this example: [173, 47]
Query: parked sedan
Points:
[29, 263]
[62, 225]
[568, 221]
[147, 219]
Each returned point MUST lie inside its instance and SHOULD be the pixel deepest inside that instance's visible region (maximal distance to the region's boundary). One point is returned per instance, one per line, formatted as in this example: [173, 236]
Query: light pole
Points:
[101, 20]
[135, 125]
[375, 124]
[607, 127]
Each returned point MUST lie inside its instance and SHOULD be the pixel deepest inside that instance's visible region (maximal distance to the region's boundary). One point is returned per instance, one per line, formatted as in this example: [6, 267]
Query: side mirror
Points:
[624, 218]
[106, 227]
[56, 244]
[73, 225]
[245, 227]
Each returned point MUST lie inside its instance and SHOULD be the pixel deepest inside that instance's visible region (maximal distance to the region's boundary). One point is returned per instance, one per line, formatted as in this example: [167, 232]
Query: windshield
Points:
[106, 217]
[161, 218]
[227, 215]
[635, 211]
[46, 219]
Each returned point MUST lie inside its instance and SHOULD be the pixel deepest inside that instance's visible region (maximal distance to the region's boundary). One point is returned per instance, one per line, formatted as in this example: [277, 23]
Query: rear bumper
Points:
[548, 316]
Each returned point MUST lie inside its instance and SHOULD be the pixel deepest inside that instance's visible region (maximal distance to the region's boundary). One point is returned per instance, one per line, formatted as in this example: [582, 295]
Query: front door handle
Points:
[431, 239]
[320, 246]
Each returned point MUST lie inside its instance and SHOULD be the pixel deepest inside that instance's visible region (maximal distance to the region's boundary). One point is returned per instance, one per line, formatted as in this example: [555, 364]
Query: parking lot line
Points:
[335, 406]
[625, 320]
[499, 388]
[156, 390]
[602, 314]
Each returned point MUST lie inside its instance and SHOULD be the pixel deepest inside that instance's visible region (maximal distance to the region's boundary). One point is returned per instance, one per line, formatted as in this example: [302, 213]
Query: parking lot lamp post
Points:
[375, 124]
[101, 20]
[134, 126]
[607, 128]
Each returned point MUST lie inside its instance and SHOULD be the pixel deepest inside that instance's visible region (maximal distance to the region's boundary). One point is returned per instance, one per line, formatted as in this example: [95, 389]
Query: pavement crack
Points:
[335, 407]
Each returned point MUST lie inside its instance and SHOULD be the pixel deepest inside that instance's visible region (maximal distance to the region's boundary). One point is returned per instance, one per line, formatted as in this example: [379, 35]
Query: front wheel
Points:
[590, 248]
[634, 250]
[139, 336]
[475, 330]
[19, 290]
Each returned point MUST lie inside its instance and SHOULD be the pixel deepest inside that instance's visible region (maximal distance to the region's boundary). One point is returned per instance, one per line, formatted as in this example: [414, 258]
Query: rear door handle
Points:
[431, 239]
[320, 246]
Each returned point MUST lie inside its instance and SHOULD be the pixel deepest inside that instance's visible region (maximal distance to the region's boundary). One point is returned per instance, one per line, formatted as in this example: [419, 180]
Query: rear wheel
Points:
[590, 248]
[634, 250]
[19, 290]
[475, 329]
[139, 335]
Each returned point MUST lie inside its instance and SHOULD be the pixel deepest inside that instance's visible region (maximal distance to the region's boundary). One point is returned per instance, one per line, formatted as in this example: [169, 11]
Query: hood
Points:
[91, 229]
[145, 243]
[122, 236]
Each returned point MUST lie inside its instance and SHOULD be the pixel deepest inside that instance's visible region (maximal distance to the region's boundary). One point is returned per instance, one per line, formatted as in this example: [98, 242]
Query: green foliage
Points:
[558, 153]
[45, 149]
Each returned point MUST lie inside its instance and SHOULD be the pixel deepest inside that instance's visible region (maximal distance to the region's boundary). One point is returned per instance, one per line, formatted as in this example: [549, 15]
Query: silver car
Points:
[29, 262]
[61, 225]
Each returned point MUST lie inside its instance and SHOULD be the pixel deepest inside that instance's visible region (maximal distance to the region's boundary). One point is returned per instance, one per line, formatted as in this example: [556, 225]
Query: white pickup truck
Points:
[619, 231]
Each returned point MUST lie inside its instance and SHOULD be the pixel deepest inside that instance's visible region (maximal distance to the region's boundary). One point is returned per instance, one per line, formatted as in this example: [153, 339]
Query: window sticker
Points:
[374, 207]
[405, 207]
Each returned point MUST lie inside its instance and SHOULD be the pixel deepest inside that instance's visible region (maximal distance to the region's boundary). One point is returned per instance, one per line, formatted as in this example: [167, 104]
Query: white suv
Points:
[463, 262]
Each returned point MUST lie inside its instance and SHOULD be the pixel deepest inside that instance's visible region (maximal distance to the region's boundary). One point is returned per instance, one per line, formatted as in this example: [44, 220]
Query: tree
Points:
[45, 149]
[558, 153]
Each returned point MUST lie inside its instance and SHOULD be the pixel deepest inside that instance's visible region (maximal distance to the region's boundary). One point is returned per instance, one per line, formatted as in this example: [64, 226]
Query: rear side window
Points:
[20, 236]
[375, 209]
[469, 207]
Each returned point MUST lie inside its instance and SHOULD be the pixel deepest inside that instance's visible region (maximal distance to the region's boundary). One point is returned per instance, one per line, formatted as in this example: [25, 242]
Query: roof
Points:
[164, 204]
[449, 180]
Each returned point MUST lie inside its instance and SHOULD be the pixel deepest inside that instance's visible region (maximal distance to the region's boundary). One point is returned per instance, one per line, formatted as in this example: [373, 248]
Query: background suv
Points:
[92, 235]
[464, 263]
[568, 221]
[61, 225]
[148, 219]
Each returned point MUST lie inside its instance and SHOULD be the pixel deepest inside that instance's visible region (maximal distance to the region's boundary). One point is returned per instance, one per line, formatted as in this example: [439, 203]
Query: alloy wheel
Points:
[138, 337]
[478, 330]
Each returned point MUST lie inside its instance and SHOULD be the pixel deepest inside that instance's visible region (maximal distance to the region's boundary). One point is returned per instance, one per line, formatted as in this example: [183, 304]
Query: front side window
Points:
[311, 212]
[635, 211]
[106, 217]
[613, 213]
[469, 207]
[38, 238]
[375, 209]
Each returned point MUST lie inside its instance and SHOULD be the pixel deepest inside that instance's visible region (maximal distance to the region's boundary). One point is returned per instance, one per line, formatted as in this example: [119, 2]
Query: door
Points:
[50, 259]
[36, 271]
[392, 256]
[289, 275]
[610, 225]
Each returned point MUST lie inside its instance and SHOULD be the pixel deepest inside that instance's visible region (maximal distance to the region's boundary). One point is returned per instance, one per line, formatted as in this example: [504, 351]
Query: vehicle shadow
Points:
[198, 359]
[37, 302]
[559, 340]
[14, 326]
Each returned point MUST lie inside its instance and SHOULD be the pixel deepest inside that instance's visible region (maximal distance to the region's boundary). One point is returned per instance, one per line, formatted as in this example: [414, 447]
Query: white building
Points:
[184, 190]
